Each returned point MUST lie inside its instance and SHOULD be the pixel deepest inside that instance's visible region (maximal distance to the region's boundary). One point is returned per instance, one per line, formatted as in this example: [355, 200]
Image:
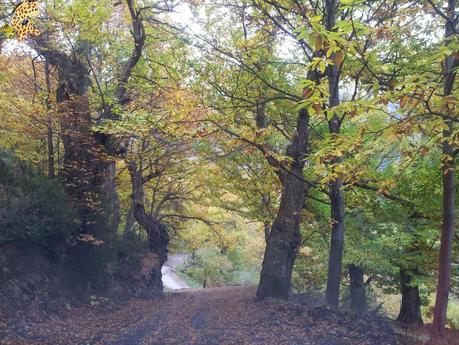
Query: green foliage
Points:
[210, 267]
[116, 259]
[453, 314]
[32, 207]
[207, 116]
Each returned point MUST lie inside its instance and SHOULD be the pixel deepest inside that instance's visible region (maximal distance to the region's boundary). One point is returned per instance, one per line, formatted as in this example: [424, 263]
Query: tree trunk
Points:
[357, 289]
[109, 192]
[158, 238]
[88, 172]
[444, 260]
[410, 310]
[89, 166]
[335, 257]
[449, 190]
[284, 237]
[84, 167]
[129, 220]
[266, 229]
[49, 124]
[283, 241]
[80, 161]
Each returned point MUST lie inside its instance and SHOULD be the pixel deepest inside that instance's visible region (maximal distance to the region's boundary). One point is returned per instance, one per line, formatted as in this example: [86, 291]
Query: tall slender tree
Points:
[451, 18]
[335, 256]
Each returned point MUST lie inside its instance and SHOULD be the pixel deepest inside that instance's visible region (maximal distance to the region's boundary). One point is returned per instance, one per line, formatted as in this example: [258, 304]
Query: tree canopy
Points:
[292, 144]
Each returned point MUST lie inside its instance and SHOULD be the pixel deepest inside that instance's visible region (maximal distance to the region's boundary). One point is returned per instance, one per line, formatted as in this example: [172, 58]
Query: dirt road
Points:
[171, 280]
[223, 316]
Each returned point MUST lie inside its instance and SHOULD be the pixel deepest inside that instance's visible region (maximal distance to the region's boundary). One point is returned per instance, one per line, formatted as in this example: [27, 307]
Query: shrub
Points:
[33, 208]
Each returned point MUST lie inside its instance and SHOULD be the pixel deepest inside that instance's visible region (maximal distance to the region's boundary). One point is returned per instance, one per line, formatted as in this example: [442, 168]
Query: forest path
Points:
[171, 280]
[217, 316]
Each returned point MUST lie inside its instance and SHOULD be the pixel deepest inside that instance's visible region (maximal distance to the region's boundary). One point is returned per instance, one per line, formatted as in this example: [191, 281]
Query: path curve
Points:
[171, 280]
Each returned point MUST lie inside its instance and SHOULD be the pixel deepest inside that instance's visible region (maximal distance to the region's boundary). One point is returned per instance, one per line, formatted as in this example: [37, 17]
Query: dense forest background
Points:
[294, 145]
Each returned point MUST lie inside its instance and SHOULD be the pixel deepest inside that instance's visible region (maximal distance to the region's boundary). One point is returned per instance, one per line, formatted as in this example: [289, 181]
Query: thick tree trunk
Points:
[284, 237]
[283, 241]
[449, 190]
[357, 289]
[88, 172]
[158, 240]
[410, 310]
[80, 163]
[89, 166]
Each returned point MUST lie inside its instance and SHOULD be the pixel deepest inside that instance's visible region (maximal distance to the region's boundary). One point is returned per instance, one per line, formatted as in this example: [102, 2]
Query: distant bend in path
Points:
[171, 280]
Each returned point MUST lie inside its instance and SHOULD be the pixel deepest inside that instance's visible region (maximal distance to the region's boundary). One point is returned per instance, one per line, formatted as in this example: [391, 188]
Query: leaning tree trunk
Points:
[410, 310]
[357, 289]
[284, 237]
[158, 238]
[449, 190]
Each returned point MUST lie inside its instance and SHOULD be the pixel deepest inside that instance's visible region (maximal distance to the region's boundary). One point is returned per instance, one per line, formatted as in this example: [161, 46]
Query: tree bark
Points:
[357, 289]
[410, 310]
[80, 161]
[89, 166]
[284, 237]
[88, 173]
[336, 186]
[266, 229]
[335, 257]
[49, 124]
[449, 190]
[446, 238]
[283, 241]
[129, 220]
[114, 144]
[158, 238]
